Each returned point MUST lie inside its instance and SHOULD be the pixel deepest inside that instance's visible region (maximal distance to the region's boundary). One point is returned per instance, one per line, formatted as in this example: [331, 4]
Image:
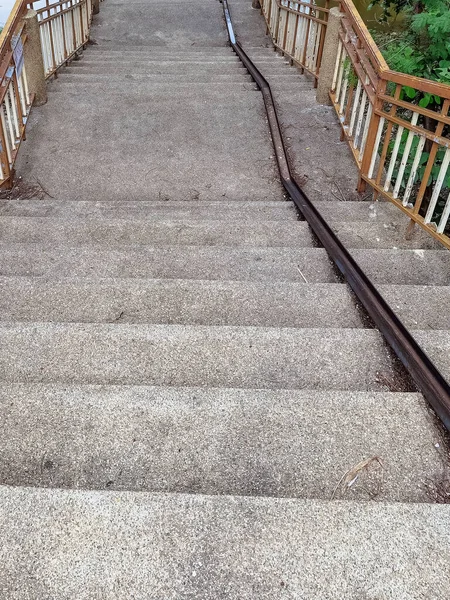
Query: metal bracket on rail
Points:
[424, 373]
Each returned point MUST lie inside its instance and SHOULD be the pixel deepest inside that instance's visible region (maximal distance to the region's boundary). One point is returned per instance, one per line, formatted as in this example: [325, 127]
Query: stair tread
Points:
[194, 302]
[120, 232]
[201, 302]
[335, 358]
[136, 544]
[310, 265]
[219, 441]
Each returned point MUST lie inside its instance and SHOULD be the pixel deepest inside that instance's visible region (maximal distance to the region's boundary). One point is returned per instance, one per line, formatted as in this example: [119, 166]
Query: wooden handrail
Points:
[382, 68]
[18, 11]
[363, 34]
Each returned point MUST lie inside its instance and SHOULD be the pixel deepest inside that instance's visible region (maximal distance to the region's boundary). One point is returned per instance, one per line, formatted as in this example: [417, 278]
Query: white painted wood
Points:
[341, 72]
[405, 157]
[438, 186]
[445, 216]
[25, 86]
[5, 134]
[414, 169]
[376, 146]
[336, 67]
[9, 119]
[366, 131]
[398, 139]
[362, 109]
[356, 100]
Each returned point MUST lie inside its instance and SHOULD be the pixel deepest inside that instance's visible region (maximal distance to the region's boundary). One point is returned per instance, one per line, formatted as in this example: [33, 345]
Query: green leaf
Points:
[410, 92]
[425, 101]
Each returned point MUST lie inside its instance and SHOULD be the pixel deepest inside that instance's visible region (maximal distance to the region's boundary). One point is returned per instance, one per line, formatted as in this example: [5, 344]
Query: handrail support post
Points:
[34, 60]
[330, 51]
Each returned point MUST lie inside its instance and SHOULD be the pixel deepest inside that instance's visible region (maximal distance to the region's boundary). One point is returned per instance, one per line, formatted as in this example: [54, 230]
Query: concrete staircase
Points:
[193, 404]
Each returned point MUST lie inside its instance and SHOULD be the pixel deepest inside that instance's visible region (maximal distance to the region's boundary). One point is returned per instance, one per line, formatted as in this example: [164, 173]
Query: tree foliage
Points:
[423, 47]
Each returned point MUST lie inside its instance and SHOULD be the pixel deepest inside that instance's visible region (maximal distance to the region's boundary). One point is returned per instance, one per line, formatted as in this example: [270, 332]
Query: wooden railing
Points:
[64, 29]
[402, 149]
[15, 100]
[64, 26]
[298, 30]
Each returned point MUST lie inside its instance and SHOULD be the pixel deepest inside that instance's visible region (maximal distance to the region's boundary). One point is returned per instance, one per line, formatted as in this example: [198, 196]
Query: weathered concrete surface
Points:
[183, 148]
[33, 59]
[219, 441]
[151, 210]
[119, 233]
[86, 545]
[405, 267]
[149, 244]
[193, 302]
[197, 302]
[330, 52]
[151, 24]
[165, 232]
[171, 355]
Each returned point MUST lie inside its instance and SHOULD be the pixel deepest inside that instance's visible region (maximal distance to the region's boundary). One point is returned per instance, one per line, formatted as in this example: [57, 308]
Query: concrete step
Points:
[140, 546]
[437, 346]
[175, 355]
[199, 302]
[310, 265]
[117, 233]
[167, 67]
[87, 75]
[154, 91]
[191, 302]
[354, 211]
[157, 58]
[142, 51]
[419, 307]
[190, 262]
[387, 234]
[156, 68]
[201, 76]
[254, 210]
[150, 210]
[219, 441]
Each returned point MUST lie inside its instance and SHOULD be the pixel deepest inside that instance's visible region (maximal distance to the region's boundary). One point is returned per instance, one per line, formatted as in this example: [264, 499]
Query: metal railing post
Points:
[34, 60]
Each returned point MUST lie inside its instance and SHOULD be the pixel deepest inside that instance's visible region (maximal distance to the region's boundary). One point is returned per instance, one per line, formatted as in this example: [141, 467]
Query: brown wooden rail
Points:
[64, 28]
[402, 149]
[298, 30]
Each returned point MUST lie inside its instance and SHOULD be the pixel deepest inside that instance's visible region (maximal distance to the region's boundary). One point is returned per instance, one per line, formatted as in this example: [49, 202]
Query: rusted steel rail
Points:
[425, 374]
